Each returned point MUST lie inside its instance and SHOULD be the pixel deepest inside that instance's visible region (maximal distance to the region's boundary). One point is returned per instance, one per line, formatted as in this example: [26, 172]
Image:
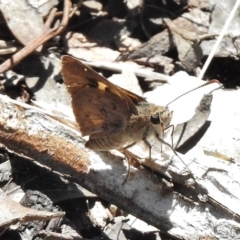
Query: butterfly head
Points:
[161, 120]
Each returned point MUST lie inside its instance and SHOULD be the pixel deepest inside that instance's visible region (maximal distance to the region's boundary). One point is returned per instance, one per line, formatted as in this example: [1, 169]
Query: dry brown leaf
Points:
[12, 212]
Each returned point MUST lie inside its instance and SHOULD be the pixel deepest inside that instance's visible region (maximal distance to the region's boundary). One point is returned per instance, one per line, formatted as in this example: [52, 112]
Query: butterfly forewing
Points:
[98, 105]
[94, 113]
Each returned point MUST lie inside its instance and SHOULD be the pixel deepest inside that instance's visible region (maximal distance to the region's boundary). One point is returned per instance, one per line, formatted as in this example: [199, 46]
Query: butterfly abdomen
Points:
[105, 143]
[100, 144]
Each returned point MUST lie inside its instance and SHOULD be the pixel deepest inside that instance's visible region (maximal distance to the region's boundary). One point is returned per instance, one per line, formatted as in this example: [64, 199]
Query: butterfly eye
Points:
[155, 119]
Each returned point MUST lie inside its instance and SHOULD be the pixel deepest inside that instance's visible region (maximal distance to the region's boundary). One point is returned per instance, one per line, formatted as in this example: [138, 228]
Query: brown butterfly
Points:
[113, 117]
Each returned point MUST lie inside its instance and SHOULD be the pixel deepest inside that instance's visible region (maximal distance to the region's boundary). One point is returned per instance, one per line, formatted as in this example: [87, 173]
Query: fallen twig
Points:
[47, 34]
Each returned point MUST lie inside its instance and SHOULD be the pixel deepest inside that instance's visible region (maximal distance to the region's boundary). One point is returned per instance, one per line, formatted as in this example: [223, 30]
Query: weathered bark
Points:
[207, 207]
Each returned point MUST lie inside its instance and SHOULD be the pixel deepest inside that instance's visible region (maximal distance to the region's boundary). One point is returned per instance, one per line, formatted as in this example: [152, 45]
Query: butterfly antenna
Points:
[205, 84]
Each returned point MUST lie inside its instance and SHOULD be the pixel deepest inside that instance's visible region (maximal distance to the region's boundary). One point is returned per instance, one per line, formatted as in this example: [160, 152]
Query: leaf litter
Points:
[157, 38]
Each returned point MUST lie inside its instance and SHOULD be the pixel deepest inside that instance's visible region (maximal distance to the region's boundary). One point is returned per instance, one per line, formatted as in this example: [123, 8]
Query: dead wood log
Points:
[207, 207]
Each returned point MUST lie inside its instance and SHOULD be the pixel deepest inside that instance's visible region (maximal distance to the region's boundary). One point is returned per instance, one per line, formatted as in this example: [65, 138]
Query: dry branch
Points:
[47, 34]
[209, 208]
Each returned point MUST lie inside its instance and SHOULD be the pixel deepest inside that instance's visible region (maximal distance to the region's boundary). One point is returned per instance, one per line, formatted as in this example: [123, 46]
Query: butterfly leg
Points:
[128, 156]
[149, 148]
[149, 156]
[172, 131]
[166, 143]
